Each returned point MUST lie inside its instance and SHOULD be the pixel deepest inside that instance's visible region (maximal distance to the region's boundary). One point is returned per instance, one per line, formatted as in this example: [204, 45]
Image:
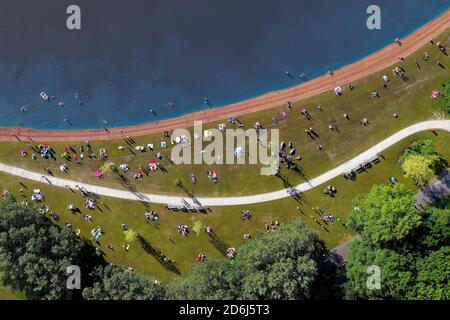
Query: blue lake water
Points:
[133, 56]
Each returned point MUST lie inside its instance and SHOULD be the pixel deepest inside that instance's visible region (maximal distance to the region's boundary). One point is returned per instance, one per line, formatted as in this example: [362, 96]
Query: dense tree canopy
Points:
[434, 231]
[115, 283]
[211, 280]
[278, 265]
[413, 261]
[433, 277]
[411, 249]
[34, 253]
[396, 275]
[281, 265]
[384, 214]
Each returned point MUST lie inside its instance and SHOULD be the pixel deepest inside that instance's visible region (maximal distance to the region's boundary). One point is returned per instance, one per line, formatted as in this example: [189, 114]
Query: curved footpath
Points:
[366, 66]
[231, 201]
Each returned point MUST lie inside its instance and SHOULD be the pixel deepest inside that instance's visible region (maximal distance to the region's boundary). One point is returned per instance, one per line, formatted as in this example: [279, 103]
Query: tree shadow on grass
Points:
[329, 283]
[124, 181]
[145, 204]
[220, 245]
[130, 187]
[156, 253]
[106, 206]
[154, 224]
[291, 189]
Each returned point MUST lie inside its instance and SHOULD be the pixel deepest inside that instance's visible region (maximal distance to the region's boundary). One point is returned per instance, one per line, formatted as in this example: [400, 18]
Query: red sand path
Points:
[366, 66]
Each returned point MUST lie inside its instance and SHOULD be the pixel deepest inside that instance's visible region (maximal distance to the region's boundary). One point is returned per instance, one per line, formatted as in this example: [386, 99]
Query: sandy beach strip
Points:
[364, 67]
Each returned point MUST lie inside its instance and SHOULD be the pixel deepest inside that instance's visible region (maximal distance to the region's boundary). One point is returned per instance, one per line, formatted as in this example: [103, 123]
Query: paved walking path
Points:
[435, 190]
[231, 201]
[342, 249]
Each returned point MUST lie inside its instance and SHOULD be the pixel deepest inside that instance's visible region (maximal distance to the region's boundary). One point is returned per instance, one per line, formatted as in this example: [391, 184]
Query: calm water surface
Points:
[133, 56]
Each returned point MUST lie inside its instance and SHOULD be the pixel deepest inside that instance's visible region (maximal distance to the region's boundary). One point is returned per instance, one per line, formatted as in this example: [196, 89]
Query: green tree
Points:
[34, 253]
[114, 283]
[433, 278]
[446, 95]
[278, 265]
[197, 227]
[385, 214]
[420, 168]
[434, 231]
[414, 261]
[210, 280]
[107, 167]
[396, 274]
[419, 147]
[130, 235]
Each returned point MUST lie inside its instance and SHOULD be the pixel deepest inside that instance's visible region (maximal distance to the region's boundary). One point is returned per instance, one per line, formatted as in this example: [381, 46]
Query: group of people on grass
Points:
[287, 154]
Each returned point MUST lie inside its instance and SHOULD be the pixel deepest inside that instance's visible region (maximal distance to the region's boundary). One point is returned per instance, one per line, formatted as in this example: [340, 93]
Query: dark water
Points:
[136, 55]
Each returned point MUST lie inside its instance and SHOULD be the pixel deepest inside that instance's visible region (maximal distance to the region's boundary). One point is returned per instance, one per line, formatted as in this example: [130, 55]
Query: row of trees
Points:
[34, 255]
[283, 264]
[411, 248]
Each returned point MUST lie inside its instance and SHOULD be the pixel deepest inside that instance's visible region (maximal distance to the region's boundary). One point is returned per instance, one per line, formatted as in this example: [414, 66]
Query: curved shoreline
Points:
[347, 74]
[239, 200]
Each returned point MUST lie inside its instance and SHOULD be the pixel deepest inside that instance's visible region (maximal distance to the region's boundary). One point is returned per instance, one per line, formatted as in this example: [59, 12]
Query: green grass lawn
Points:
[6, 294]
[409, 99]
[225, 221]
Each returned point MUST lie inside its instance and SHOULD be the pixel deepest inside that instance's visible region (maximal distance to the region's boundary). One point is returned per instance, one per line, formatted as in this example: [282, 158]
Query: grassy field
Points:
[409, 99]
[225, 221]
[6, 294]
